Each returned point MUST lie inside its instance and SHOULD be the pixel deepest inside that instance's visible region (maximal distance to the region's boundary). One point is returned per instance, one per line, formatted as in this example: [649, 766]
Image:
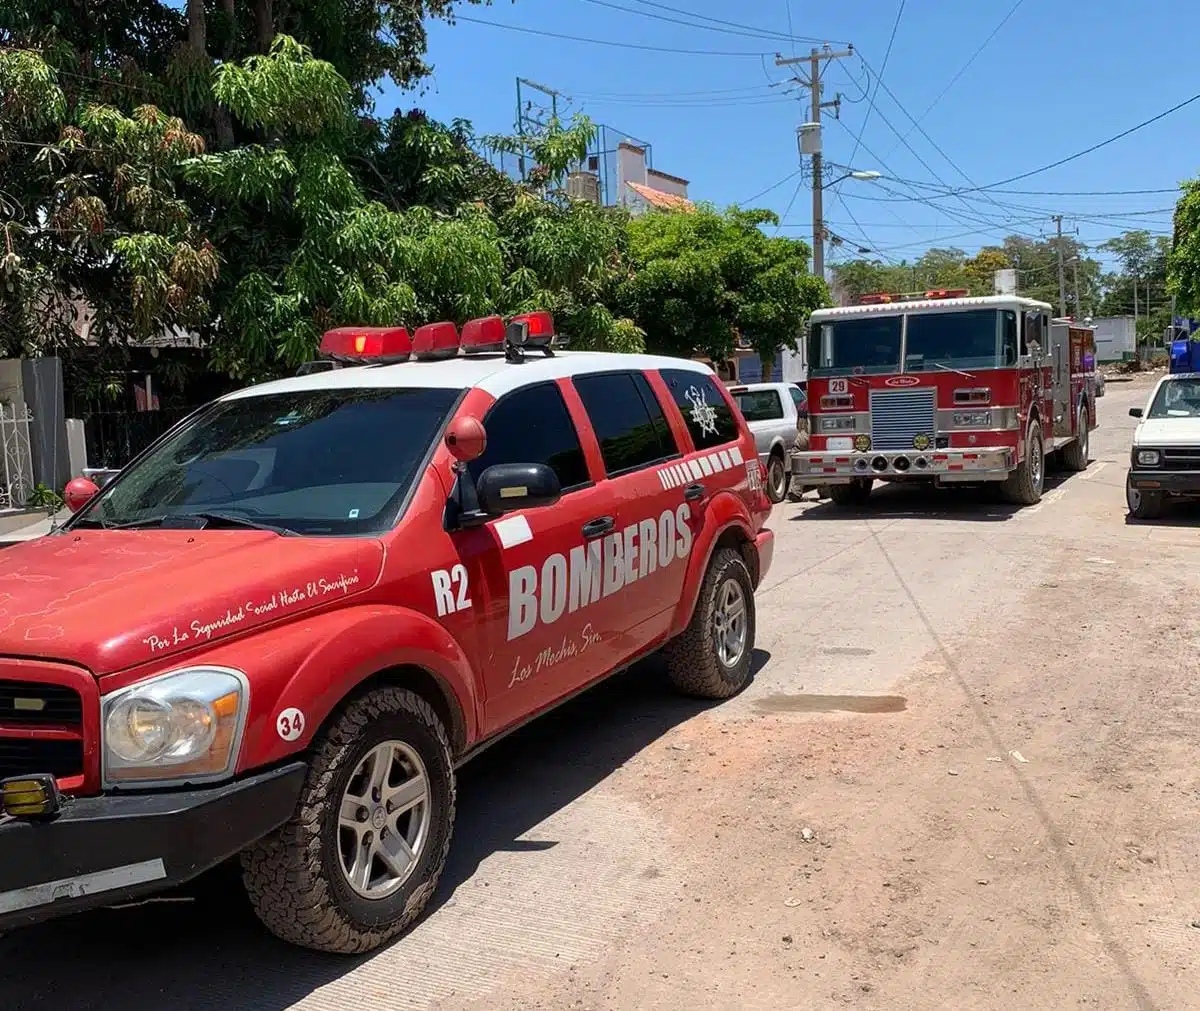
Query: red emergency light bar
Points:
[435, 341]
[372, 343]
[883, 297]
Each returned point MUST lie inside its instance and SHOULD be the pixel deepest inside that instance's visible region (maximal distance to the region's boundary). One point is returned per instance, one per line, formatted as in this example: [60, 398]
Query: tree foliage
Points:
[702, 279]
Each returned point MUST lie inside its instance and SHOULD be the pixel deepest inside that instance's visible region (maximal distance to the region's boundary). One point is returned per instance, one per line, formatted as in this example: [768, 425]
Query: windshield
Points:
[1177, 398]
[310, 462]
[975, 338]
[759, 405]
[867, 344]
[979, 338]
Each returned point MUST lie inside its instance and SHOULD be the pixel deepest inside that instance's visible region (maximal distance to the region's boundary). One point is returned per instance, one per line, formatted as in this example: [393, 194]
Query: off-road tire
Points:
[293, 876]
[692, 662]
[778, 478]
[854, 495]
[1149, 504]
[1021, 487]
[1075, 456]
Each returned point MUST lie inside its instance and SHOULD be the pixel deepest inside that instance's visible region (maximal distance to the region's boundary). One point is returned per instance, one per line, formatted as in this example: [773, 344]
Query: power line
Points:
[773, 186]
[762, 32]
[749, 33]
[635, 95]
[609, 42]
[875, 94]
[963, 69]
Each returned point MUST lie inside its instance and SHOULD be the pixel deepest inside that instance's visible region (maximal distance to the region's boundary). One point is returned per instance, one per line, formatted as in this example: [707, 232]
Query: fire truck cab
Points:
[946, 388]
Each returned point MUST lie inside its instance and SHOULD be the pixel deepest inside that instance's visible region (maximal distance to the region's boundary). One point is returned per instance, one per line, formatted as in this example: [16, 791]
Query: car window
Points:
[319, 461]
[799, 399]
[532, 426]
[704, 408]
[628, 420]
[760, 405]
[1177, 398]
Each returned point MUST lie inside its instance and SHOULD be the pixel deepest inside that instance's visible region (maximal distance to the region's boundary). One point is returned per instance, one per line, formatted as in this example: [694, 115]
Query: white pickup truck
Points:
[772, 411]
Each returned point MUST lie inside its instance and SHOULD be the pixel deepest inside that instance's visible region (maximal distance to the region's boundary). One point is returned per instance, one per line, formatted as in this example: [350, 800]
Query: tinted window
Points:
[628, 420]
[313, 461]
[799, 399]
[973, 338]
[704, 409]
[864, 344]
[759, 405]
[533, 426]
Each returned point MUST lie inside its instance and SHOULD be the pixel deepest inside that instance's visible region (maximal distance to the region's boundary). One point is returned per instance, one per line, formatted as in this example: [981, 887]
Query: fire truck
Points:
[941, 387]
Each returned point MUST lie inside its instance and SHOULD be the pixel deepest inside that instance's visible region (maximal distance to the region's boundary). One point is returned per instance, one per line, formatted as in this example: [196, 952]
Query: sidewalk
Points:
[36, 527]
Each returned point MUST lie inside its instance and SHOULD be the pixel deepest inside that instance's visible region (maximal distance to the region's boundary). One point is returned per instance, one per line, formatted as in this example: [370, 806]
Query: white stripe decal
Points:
[726, 463]
[670, 477]
[684, 473]
[735, 454]
[84, 884]
[705, 466]
[513, 530]
[718, 466]
[695, 467]
[662, 479]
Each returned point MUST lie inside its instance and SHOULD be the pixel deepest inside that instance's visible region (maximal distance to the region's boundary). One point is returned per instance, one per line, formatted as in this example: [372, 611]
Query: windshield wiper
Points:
[948, 369]
[199, 519]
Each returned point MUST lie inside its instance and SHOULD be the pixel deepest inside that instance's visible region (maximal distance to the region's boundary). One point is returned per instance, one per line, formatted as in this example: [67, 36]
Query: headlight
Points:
[972, 419]
[1148, 457]
[825, 423]
[183, 726]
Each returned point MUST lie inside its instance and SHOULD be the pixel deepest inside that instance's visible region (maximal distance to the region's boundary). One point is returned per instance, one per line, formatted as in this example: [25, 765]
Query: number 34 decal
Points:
[450, 590]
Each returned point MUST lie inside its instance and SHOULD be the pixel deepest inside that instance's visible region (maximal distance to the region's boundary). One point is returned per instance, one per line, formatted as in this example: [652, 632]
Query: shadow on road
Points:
[919, 500]
[206, 950]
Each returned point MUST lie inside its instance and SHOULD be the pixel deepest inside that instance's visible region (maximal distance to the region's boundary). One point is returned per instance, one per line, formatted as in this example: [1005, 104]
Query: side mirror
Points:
[78, 493]
[507, 487]
[1135, 412]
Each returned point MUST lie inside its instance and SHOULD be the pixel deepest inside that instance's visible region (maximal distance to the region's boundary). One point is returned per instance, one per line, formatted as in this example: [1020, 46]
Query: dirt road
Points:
[964, 777]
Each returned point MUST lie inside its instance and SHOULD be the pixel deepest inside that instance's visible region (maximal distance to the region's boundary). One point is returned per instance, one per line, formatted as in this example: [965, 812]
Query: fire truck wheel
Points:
[711, 658]
[362, 854]
[1143, 505]
[1075, 456]
[1024, 485]
[777, 478]
[856, 494]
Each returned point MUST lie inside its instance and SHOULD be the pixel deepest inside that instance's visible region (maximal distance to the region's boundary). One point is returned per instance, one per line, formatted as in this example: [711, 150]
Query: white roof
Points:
[931, 305]
[491, 373]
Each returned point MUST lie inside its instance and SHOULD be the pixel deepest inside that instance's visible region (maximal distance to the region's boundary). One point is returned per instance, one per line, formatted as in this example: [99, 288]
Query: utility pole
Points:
[1078, 299]
[1062, 284]
[813, 83]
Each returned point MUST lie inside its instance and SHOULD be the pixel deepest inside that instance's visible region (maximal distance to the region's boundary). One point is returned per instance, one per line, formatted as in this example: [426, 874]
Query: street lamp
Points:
[865, 175]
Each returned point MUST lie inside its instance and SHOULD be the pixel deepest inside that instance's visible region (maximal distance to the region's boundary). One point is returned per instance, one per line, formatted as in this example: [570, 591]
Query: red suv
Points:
[277, 633]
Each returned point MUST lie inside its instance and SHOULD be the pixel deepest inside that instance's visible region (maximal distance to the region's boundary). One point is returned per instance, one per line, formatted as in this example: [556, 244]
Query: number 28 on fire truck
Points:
[945, 388]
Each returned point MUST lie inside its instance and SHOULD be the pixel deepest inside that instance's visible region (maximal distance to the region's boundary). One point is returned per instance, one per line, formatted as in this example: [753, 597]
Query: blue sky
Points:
[1057, 77]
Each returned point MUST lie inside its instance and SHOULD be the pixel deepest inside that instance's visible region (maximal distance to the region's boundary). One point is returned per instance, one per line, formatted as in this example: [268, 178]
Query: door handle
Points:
[693, 492]
[598, 527]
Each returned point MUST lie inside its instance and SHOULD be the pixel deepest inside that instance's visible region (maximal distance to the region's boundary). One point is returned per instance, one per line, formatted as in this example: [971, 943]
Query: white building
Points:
[640, 188]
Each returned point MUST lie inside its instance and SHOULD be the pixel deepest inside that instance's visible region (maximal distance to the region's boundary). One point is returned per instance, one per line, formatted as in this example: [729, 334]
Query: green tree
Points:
[703, 278]
[1183, 261]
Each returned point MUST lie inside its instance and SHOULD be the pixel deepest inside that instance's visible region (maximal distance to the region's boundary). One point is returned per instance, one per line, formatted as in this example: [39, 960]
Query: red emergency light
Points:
[878, 298]
[357, 344]
[531, 330]
[947, 293]
[483, 336]
[435, 341]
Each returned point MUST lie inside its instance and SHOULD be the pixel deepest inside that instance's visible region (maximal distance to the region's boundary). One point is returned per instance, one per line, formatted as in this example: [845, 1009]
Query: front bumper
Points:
[100, 851]
[1173, 482]
[943, 465]
[764, 544]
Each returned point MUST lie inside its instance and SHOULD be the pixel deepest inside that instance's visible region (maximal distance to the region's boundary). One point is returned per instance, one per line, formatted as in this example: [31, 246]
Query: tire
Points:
[1143, 505]
[854, 495]
[1024, 485]
[694, 661]
[1075, 456]
[295, 877]
[777, 478]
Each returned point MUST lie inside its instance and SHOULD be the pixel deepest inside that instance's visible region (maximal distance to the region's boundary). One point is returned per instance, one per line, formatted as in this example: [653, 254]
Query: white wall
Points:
[1115, 336]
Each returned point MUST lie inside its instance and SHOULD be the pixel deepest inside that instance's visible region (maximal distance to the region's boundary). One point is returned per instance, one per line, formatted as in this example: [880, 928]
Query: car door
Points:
[636, 447]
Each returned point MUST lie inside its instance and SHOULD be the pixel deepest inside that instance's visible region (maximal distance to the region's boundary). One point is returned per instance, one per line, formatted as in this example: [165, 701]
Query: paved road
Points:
[634, 850]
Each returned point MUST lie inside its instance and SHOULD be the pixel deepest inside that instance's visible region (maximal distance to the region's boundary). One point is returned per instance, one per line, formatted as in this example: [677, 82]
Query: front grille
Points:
[899, 416]
[19, 757]
[41, 729]
[33, 704]
[1181, 459]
